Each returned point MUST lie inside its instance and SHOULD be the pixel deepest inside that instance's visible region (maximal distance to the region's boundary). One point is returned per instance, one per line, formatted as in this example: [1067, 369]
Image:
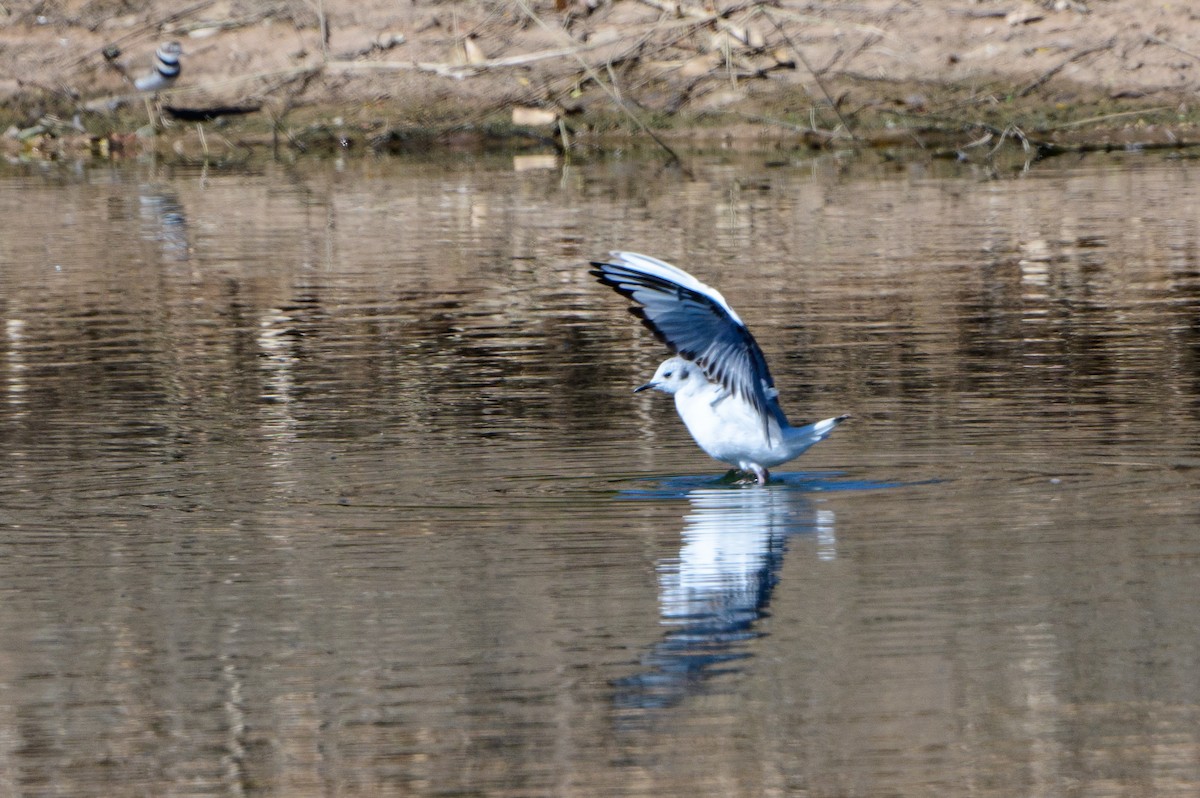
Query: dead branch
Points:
[140, 31]
[1105, 117]
[1045, 76]
[1175, 47]
[720, 19]
[460, 71]
[820, 83]
[609, 90]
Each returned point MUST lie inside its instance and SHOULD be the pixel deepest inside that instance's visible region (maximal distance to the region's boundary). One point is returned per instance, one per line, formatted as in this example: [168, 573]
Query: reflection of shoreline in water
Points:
[711, 595]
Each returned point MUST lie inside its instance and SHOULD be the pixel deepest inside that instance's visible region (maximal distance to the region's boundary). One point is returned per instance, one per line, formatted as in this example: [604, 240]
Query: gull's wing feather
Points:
[696, 323]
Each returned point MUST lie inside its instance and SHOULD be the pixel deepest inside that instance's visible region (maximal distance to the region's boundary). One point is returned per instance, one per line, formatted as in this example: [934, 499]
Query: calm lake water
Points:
[328, 480]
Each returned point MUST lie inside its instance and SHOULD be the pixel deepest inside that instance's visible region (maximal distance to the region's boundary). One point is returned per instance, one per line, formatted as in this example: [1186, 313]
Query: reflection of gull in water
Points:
[722, 387]
[711, 595]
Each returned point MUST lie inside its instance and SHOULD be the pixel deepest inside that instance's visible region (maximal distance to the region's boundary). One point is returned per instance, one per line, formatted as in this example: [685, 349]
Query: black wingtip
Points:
[600, 274]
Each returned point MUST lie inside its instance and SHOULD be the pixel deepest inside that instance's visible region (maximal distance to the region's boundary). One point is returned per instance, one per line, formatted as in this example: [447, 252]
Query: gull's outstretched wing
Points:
[696, 323]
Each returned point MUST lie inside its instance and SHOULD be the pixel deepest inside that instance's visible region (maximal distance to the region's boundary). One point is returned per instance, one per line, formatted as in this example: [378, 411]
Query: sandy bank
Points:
[315, 74]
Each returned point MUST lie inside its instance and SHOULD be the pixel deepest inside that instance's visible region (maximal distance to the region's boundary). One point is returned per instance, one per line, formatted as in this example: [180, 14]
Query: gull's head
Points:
[672, 376]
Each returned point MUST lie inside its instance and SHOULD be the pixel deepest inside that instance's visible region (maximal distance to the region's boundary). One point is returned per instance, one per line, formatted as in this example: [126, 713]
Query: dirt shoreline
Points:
[958, 78]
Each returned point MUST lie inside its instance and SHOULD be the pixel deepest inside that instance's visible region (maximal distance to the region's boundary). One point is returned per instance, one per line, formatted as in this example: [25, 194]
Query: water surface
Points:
[328, 480]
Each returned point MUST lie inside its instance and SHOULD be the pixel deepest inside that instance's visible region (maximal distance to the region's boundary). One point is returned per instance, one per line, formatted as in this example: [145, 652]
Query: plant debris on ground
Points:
[957, 77]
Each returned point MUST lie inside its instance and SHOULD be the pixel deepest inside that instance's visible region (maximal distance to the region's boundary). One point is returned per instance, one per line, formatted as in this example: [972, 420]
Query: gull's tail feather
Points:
[825, 427]
[798, 439]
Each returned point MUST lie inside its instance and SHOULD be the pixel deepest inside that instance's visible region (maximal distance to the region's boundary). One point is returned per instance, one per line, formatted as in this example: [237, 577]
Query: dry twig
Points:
[140, 31]
[460, 71]
[1045, 76]
[820, 83]
[612, 94]
[720, 19]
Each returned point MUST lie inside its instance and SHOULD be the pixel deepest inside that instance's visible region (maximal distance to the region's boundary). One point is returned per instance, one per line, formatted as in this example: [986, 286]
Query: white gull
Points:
[723, 389]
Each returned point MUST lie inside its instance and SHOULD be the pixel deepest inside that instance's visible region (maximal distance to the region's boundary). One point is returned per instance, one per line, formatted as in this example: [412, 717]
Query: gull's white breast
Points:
[728, 428]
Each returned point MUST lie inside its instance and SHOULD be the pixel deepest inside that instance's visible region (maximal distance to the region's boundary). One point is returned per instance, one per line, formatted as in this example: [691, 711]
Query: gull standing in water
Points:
[722, 387]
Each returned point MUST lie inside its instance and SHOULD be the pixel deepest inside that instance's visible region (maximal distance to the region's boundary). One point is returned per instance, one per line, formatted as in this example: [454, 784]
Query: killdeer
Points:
[166, 69]
[166, 72]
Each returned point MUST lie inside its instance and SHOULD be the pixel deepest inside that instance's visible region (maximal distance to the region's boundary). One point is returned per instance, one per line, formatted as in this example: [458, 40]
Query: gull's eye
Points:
[667, 375]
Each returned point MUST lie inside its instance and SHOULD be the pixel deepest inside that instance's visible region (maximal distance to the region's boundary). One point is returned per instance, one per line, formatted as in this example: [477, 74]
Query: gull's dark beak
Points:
[645, 387]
